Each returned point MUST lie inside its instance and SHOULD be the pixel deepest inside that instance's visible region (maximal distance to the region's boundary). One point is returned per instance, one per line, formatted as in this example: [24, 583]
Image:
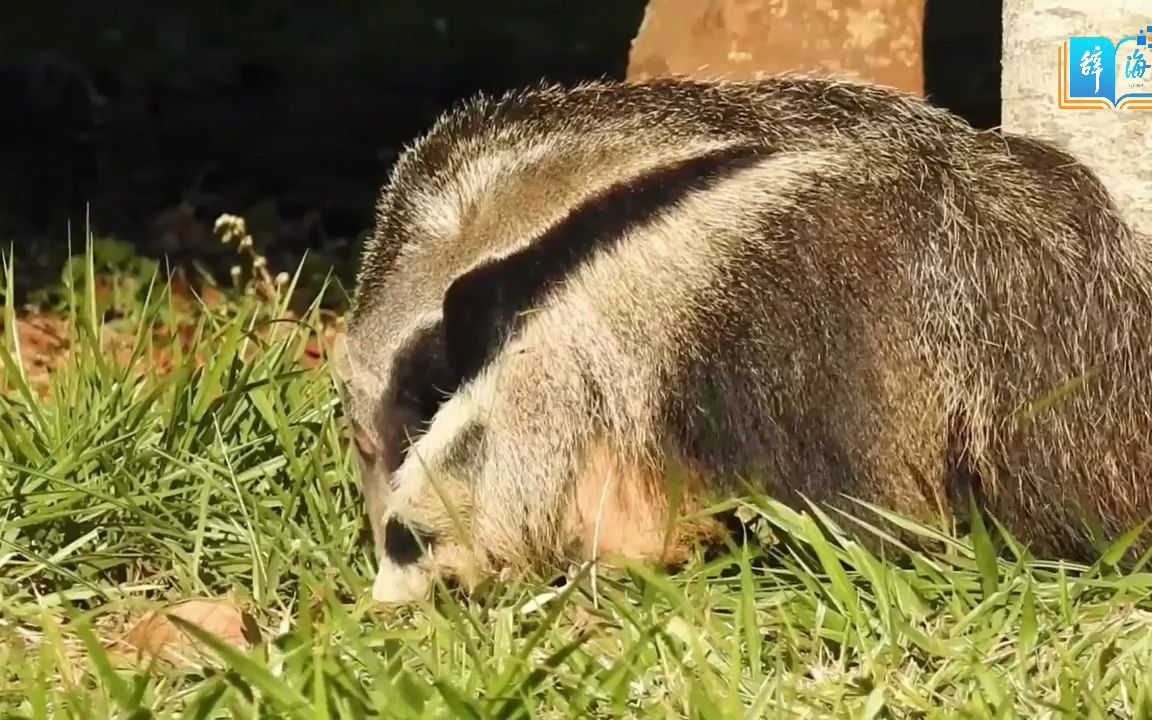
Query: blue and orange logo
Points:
[1099, 74]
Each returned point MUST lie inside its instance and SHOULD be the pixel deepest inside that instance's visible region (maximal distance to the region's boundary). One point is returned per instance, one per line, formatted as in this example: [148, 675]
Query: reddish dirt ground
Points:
[46, 339]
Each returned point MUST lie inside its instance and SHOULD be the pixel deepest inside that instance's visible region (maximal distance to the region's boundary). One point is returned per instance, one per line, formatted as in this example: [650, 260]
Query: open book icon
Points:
[1097, 73]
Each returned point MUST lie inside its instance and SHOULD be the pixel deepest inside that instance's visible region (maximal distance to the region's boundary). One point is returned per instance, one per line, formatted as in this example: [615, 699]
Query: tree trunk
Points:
[876, 41]
[1117, 144]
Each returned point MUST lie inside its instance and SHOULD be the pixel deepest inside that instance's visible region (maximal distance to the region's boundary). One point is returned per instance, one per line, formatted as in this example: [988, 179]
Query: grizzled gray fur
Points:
[824, 288]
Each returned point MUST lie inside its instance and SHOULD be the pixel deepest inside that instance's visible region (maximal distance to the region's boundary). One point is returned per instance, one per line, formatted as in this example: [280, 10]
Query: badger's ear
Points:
[338, 361]
[343, 365]
[365, 443]
[347, 366]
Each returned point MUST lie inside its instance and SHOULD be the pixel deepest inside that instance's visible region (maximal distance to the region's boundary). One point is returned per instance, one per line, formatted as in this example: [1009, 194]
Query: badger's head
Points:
[389, 397]
[398, 367]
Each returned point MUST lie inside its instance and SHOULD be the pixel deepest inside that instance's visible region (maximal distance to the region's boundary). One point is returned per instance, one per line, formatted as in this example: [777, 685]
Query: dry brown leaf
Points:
[155, 635]
[584, 621]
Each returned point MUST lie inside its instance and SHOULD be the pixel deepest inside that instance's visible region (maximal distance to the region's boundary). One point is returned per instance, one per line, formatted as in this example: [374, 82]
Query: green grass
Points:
[119, 490]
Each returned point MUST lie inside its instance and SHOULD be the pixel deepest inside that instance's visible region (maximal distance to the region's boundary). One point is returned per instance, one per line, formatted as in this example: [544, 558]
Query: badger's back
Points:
[546, 151]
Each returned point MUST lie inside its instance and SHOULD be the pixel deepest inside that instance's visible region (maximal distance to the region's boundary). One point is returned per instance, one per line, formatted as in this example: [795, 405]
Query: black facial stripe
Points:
[420, 363]
[422, 382]
[405, 545]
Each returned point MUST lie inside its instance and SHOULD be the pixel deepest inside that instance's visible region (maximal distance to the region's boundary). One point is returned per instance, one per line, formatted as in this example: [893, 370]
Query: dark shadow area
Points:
[962, 58]
[152, 119]
[146, 121]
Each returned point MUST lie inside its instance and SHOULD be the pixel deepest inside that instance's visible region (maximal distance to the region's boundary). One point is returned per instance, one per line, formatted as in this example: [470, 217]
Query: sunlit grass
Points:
[121, 486]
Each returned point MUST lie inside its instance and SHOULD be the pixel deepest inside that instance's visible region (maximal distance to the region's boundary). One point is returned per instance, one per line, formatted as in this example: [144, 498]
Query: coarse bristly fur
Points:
[827, 289]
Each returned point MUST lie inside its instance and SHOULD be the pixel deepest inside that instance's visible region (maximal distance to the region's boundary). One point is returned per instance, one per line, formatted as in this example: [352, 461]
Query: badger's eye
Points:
[415, 406]
[427, 401]
[423, 389]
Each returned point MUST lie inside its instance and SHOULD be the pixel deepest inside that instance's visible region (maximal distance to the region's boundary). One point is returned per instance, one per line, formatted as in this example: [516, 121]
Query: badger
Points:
[588, 311]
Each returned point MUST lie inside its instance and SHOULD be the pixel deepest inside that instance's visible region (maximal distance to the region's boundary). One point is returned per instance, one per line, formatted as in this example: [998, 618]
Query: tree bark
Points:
[1117, 144]
[877, 41]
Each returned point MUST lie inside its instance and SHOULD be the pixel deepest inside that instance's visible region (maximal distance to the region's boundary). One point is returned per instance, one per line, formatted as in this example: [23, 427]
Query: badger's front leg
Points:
[517, 471]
